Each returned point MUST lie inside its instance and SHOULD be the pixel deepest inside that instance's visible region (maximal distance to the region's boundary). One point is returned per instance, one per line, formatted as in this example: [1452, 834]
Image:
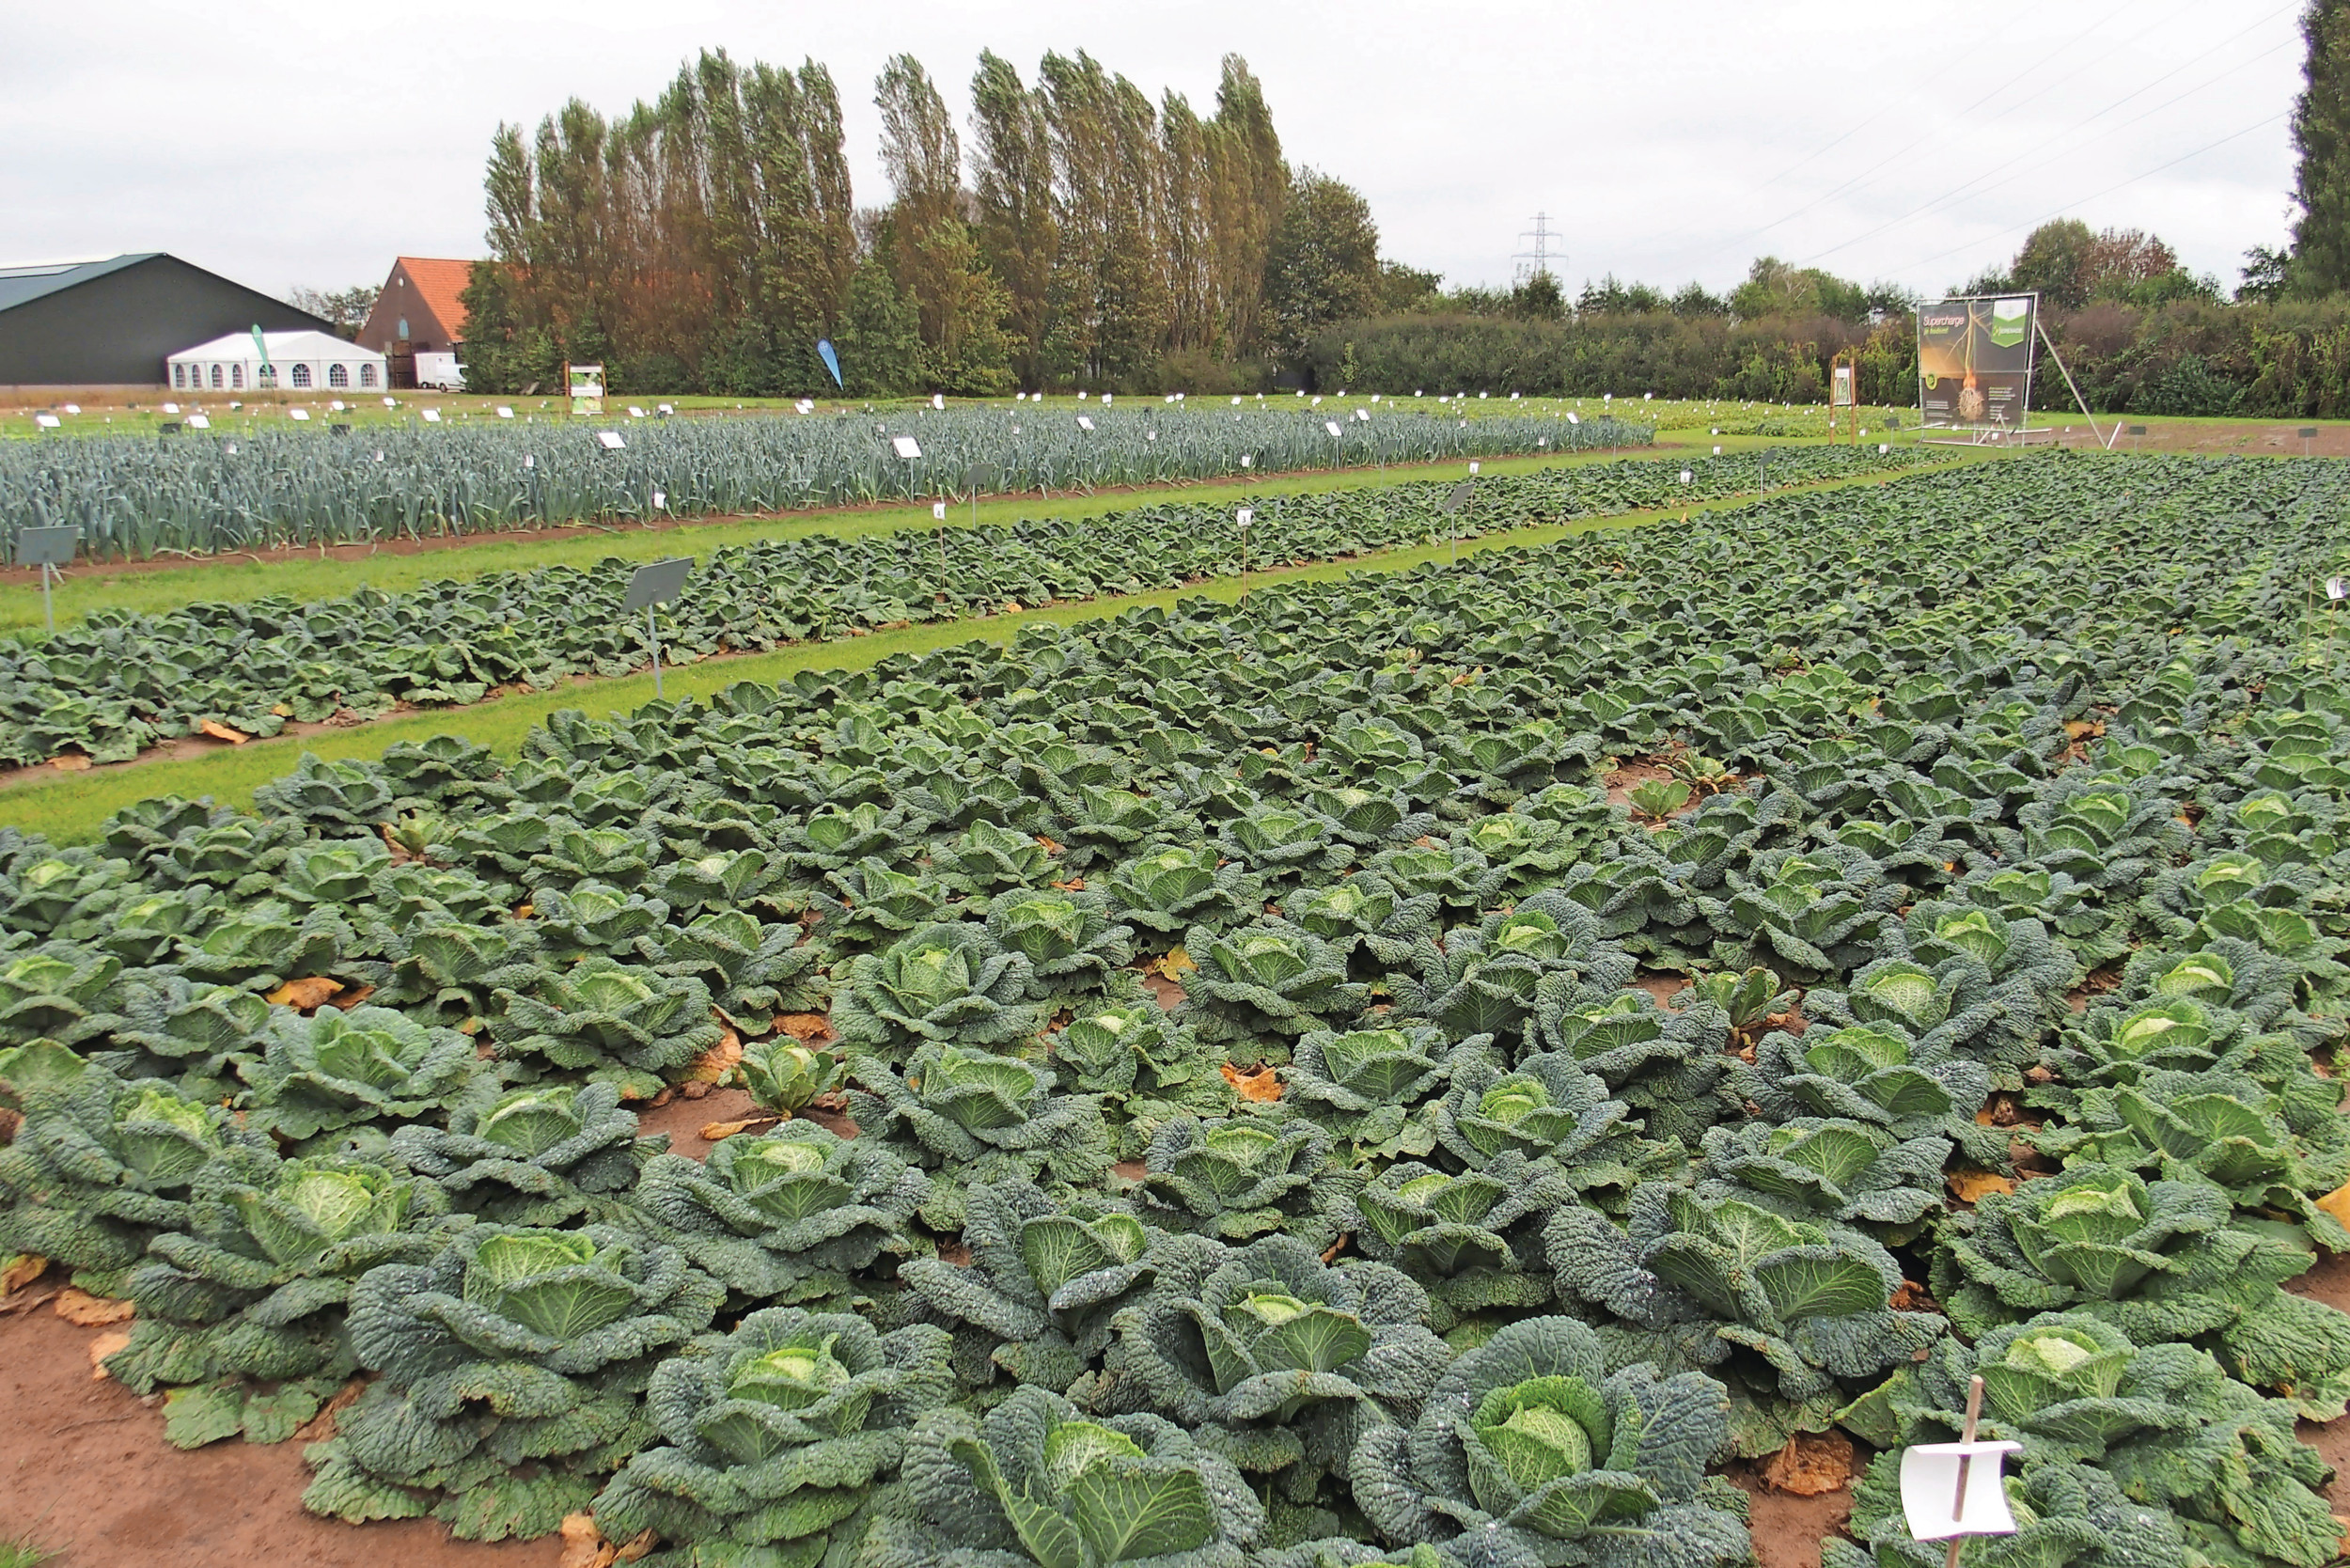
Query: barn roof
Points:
[24, 282]
[440, 281]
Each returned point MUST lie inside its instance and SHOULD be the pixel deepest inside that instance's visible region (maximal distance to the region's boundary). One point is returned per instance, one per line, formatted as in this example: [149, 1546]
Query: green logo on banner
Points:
[2011, 322]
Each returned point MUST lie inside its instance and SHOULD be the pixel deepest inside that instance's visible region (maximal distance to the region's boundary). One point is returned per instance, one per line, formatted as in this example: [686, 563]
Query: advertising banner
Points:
[1975, 361]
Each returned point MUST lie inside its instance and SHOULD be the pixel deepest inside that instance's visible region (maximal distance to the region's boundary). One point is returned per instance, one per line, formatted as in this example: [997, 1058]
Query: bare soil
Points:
[2206, 437]
[84, 1472]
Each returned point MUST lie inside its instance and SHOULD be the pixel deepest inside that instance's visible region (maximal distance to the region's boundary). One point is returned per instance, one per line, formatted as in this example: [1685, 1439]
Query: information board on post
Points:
[656, 583]
[48, 548]
[1975, 360]
[586, 389]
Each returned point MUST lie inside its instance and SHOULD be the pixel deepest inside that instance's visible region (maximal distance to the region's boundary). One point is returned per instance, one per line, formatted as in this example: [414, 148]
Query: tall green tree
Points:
[1322, 265]
[926, 243]
[2321, 133]
[1018, 236]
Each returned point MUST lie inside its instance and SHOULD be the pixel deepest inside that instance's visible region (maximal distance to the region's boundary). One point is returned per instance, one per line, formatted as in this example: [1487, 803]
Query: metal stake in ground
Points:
[45, 548]
[1965, 1462]
[656, 583]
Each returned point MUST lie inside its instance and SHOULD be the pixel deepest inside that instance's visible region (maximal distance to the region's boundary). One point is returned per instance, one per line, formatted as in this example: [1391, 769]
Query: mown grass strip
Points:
[72, 807]
[238, 579]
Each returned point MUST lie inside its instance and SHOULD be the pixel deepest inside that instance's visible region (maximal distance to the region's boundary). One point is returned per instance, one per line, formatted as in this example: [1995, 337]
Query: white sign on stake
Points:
[613, 441]
[174, 408]
[1686, 476]
[1718, 451]
[660, 500]
[938, 511]
[1332, 426]
[805, 405]
[504, 413]
[1084, 423]
[337, 405]
[301, 413]
[47, 421]
[938, 399]
[1473, 468]
[1572, 417]
[198, 422]
[1106, 398]
[432, 415]
[2337, 587]
[530, 460]
[74, 408]
[1883, 448]
[905, 446]
[391, 402]
[1936, 1509]
[1248, 515]
[1248, 460]
[665, 408]
[1236, 403]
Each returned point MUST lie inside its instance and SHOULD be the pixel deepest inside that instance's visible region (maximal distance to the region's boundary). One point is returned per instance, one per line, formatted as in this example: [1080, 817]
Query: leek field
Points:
[1456, 1066]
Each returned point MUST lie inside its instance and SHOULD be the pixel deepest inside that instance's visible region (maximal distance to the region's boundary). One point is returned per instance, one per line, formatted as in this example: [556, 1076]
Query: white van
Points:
[439, 372]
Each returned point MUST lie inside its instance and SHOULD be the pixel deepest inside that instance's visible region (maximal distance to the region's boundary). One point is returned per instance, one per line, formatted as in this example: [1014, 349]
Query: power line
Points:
[1970, 187]
[2093, 195]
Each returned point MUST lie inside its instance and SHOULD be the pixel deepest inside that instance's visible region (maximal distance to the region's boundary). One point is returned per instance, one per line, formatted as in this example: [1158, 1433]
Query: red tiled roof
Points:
[440, 282]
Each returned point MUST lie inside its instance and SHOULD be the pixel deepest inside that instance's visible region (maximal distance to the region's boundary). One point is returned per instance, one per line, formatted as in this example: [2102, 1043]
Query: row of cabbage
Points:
[134, 497]
[1515, 1259]
[124, 681]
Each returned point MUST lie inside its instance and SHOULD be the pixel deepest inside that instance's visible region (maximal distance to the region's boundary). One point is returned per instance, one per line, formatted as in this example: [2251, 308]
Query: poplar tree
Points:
[2321, 133]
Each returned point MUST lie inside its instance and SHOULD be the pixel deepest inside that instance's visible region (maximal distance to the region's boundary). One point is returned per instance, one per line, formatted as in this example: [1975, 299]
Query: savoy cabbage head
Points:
[1239, 1176]
[334, 1069]
[1038, 1481]
[511, 1344]
[787, 1215]
[256, 1285]
[1473, 1242]
[1142, 1066]
[1532, 1450]
[534, 1157]
[1283, 1359]
[968, 1115]
[948, 983]
[775, 1435]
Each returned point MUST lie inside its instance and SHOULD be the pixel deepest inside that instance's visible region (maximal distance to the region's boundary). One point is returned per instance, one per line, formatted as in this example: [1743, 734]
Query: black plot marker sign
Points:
[656, 583]
[47, 548]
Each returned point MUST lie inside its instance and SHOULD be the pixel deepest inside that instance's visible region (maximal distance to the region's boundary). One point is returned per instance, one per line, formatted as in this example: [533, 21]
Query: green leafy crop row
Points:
[123, 680]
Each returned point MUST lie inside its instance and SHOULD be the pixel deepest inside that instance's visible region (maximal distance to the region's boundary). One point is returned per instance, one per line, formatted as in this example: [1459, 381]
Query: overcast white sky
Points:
[309, 143]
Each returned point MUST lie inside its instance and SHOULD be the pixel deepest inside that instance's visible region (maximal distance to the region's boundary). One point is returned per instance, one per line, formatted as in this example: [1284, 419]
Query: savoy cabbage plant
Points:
[2163, 1421]
[1233, 1177]
[1670, 1068]
[1795, 1315]
[622, 1023]
[967, 1115]
[101, 1166]
[775, 1436]
[1278, 1359]
[1878, 1076]
[1170, 887]
[534, 1157]
[201, 1035]
[254, 1286]
[1268, 978]
[1473, 1242]
[1831, 1167]
[336, 1070]
[1549, 1108]
[752, 971]
[787, 1215]
[1530, 1451]
[948, 983]
[510, 1346]
[2159, 1260]
[1371, 1088]
[1485, 979]
[1044, 1280]
[1141, 1065]
[1038, 1481]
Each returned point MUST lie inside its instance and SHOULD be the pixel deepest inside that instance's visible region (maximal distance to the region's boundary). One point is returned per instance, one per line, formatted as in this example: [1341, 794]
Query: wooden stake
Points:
[1958, 1505]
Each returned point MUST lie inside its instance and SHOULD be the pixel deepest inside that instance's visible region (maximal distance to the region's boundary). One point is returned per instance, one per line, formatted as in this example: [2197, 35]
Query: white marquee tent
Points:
[296, 362]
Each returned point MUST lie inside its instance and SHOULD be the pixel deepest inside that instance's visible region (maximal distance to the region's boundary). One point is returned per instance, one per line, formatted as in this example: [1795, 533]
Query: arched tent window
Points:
[178, 375]
[215, 378]
[366, 375]
[265, 377]
[236, 374]
[302, 375]
[338, 375]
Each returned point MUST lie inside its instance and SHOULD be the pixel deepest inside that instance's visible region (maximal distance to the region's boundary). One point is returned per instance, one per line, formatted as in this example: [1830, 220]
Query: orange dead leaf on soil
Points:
[101, 1347]
[70, 761]
[803, 1026]
[1050, 847]
[584, 1546]
[84, 1311]
[2082, 730]
[1263, 1087]
[1810, 1464]
[220, 731]
[718, 1132]
[21, 1271]
[713, 1065]
[307, 993]
[1968, 1187]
